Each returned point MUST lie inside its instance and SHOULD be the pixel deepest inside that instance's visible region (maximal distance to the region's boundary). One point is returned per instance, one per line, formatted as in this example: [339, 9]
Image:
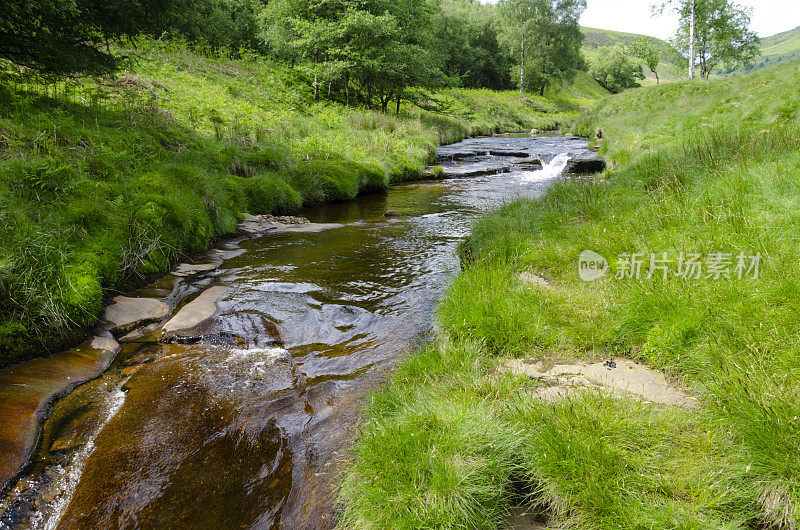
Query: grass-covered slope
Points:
[696, 168]
[671, 68]
[778, 49]
[104, 184]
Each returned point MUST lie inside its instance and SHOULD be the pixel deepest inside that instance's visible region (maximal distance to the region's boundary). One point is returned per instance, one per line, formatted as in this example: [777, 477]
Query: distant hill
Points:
[672, 62]
[778, 49]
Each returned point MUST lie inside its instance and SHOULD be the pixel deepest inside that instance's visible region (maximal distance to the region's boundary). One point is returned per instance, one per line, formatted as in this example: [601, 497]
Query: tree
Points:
[370, 49]
[714, 32]
[648, 52]
[614, 70]
[546, 37]
[231, 24]
[72, 37]
[465, 36]
[51, 38]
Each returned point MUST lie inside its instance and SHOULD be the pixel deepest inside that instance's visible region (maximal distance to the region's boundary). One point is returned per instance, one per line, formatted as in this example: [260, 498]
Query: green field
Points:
[105, 184]
[698, 167]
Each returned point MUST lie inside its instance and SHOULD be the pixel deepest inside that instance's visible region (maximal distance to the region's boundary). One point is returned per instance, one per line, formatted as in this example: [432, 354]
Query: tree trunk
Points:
[658, 81]
[691, 44]
[541, 91]
[522, 67]
[398, 104]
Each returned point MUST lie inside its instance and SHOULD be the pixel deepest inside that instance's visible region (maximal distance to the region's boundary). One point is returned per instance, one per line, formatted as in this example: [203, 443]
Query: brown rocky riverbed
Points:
[235, 405]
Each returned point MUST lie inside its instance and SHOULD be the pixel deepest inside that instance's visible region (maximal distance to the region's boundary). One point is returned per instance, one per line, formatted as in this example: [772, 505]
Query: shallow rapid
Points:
[251, 429]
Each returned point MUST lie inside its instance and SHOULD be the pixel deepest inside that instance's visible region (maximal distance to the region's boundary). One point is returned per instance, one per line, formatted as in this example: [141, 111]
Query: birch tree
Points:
[713, 32]
[546, 37]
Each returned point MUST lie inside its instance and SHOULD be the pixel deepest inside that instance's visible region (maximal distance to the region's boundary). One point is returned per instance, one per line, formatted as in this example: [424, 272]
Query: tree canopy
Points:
[614, 70]
[370, 52]
[644, 49]
[546, 37]
[722, 33]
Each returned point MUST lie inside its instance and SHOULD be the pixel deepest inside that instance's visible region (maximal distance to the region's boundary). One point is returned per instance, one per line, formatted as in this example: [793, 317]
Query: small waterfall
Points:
[552, 169]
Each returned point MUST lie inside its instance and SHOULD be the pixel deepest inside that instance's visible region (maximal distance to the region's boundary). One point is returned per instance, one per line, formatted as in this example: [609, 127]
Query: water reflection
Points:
[252, 435]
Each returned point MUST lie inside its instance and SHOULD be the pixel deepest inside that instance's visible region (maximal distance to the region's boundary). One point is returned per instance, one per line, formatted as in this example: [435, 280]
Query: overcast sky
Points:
[769, 16]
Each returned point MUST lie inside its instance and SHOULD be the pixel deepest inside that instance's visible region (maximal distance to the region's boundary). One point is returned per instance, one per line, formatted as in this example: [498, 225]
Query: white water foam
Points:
[268, 353]
[552, 169]
[66, 478]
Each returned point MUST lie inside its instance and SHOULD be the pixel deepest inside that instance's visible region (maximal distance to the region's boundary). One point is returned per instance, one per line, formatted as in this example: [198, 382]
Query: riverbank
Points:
[103, 185]
[703, 192]
[302, 325]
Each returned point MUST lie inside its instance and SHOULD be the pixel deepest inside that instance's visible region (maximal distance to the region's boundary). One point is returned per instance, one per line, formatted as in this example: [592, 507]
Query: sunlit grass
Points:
[696, 168]
[104, 183]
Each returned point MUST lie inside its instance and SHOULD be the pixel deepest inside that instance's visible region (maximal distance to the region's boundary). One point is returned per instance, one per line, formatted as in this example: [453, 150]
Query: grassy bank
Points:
[696, 168]
[105, 183]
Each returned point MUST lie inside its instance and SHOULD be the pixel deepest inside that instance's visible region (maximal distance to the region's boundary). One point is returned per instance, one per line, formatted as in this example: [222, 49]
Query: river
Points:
[250, 429]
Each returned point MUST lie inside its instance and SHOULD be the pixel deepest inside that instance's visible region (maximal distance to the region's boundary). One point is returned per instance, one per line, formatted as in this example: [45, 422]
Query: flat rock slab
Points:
[127, 313]
[477, 169]
[308, 227]
[509, 152]
[189, 269]
[623, 376]
[260, 224]
[27, 390]
[529, 163]
[198, 310]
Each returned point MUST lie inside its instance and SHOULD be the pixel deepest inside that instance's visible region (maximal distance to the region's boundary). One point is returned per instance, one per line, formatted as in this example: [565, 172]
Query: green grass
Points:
[104, 184]
[778, 49]
[695, 167]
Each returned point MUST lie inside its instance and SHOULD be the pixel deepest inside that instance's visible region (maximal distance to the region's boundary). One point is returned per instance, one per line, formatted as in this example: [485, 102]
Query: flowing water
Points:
[250, 430]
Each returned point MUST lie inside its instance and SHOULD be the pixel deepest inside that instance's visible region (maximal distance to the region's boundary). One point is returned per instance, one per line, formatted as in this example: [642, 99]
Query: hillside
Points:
[777, 49]
[701, 172]
[672, 62]
[105, 184]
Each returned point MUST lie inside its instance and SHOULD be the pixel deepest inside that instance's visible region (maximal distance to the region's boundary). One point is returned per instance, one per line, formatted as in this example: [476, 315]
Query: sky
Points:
[633, 16]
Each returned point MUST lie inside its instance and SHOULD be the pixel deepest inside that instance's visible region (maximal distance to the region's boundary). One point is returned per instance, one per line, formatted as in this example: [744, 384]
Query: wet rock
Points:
[259, 224]
[187, 269]
[140, 332]
[218, 339]
[585, 166]
[306, 227]
[105, 342]
[126, 313]
[529, 163]
[446, 154]
[477, 169]
[621, 376]
[198, 310]
[509, 153]
[27, 391]
[392, 214]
